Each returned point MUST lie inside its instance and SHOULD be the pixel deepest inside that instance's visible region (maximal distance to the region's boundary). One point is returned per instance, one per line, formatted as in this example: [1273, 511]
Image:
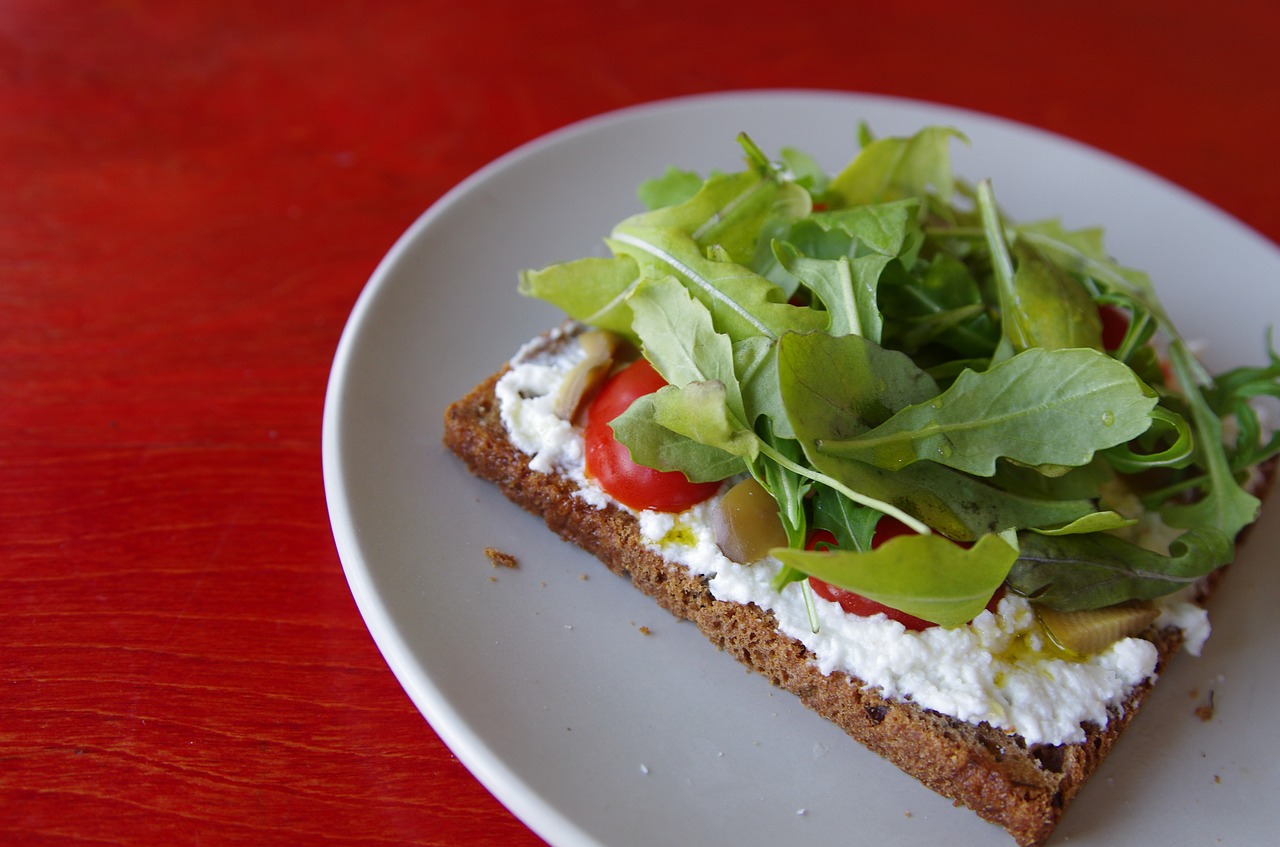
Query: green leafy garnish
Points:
[923, 575]
[1041, 407]
[883, 341]
[1086, 571]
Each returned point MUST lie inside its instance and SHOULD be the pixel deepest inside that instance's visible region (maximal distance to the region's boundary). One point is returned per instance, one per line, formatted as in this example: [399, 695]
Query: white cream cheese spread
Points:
[996, 669]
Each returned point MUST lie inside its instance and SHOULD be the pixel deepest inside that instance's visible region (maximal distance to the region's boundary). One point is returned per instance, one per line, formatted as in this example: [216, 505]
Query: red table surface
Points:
[192, 195]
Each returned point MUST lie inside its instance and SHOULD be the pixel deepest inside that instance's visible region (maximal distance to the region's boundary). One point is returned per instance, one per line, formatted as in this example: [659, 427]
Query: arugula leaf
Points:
[730, 211]
[679, 339]
[700, 411]
[1041, 407]
[939, 303]
[675, 186]
[887, 229]
[653, 445]
[1220, 501]
[923, 575]
[1222, 505]
[841, 255]
[1041, 305]
[837, 387]
[852, 525]
[1093, 522]
[1074, 572]
[847, 287]
[592, 290]
[788, 488]
[731, 216]
[791, 491]
[957, 505]
[756, 363]
[742, 302]
[1083, 482]
[805, 170]
[1165, 424]
[827, 350]
[1233, 393]
[702, 402]
[896, 168]
[1082, 251]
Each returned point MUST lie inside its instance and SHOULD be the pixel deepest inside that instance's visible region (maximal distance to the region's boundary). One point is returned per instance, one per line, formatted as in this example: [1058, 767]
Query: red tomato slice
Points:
[856, 604]
[609, 461]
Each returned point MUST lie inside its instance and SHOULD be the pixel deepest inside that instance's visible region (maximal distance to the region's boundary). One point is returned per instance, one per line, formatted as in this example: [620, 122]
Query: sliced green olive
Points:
[1089, 631]
[599, 345]
[746, 522]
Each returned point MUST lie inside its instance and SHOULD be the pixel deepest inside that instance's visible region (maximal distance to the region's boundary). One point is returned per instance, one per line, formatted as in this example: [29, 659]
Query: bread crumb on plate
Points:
[501, 559]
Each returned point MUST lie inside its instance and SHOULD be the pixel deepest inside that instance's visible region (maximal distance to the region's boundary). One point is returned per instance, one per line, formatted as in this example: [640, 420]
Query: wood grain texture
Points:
[191, 197]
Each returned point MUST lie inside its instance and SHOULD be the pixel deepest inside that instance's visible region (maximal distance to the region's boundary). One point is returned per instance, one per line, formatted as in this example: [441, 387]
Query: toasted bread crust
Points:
[1024, 789]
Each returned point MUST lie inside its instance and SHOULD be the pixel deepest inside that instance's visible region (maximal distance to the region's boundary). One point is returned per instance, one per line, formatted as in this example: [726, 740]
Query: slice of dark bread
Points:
[1023, 788]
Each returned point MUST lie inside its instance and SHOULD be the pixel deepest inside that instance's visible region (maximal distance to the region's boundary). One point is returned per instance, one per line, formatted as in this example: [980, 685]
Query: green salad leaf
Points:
[680, 340]
[1041, 407]
[1222, 504]
[890, 169]
[675, 186]
[1091, 570]
[655, 446]
[1041, 304]
[923, 575]
[1232, 395]
[884, 341]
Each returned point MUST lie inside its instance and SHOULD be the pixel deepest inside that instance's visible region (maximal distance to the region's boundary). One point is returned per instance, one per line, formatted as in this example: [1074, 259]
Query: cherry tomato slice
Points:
[609, 461]
[856, 604]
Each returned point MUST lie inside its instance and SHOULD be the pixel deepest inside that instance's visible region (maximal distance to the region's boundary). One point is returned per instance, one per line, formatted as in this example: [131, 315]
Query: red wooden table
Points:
[192, 195]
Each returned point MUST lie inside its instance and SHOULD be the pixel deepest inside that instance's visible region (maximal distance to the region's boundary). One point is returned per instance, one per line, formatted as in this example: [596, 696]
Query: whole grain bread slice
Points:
[1023, 788]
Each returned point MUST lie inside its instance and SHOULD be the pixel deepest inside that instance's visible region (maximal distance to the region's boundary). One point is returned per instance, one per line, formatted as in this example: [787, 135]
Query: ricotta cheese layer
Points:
[997, 669]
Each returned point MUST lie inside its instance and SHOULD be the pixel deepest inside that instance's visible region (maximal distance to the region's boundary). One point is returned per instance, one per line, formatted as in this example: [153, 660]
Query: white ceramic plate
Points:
[540, 678]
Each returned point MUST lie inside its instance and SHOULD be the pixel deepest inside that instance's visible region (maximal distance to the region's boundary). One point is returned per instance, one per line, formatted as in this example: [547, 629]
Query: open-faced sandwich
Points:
[956, 482]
